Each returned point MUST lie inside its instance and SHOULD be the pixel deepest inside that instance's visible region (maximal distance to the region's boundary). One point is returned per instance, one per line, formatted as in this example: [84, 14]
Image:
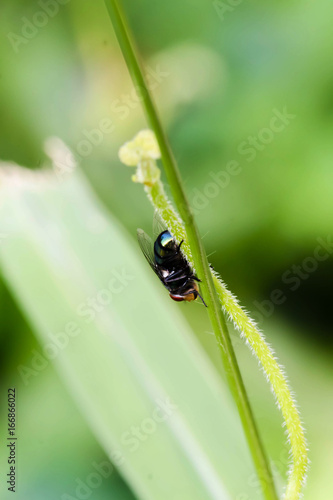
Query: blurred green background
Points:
[220, 74]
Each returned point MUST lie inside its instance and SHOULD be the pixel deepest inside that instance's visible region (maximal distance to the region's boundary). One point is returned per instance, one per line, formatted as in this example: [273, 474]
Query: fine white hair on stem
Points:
[279, 386]
[259, 347]
[248, 329]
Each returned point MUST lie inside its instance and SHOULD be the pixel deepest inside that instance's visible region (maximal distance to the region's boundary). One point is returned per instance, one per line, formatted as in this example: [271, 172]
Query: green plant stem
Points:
[256, 341]
[199, 257]
[280, 387]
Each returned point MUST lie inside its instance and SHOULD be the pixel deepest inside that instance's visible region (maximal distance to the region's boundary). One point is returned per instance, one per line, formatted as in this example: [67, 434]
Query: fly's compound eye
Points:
[177, 298]
[190, 297]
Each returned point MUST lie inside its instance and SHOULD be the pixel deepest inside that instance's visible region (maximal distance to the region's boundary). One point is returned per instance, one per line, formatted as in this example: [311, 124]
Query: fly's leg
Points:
[172, 278]
[196, 294]
[180, 244]
[204, 303]
[177, 275]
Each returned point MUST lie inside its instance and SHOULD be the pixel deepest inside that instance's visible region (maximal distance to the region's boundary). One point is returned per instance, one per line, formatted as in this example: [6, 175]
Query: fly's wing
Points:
[146, 246]
[158, 224]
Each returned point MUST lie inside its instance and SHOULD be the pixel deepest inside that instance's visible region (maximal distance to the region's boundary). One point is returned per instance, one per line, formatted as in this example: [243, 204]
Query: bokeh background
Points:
[220, 73]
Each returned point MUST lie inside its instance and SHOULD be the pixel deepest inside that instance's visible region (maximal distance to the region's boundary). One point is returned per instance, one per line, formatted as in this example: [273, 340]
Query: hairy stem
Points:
[160, 202]
[280, 387]
[257, 343]
[194, 249]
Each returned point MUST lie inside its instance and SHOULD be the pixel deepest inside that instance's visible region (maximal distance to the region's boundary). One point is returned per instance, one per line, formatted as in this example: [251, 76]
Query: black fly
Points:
[167, 261]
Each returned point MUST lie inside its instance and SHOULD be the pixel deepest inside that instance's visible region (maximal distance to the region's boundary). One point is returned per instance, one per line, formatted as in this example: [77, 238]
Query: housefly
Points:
[168, 262]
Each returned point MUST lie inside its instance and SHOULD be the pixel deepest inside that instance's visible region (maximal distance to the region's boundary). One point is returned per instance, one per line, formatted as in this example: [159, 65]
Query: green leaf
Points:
[125, 353]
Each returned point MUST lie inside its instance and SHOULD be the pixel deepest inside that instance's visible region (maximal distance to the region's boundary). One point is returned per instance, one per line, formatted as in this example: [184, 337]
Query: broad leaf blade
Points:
[124, 351]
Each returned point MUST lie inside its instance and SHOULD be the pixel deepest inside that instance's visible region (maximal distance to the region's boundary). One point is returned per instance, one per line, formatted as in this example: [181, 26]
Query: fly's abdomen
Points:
[164, 248]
